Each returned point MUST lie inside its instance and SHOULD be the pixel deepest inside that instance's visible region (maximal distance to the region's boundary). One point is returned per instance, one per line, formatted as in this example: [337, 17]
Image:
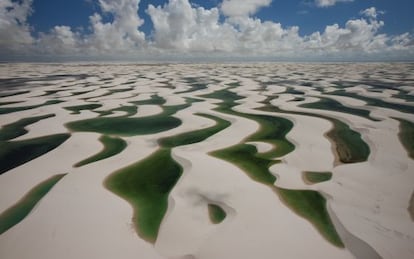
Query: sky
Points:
[268, 30]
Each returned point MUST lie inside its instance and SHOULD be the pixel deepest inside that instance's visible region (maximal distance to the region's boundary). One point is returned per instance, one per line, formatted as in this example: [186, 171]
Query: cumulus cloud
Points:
[60, 40]
[14, 30]
[177, 25]
[123, 31]
[371, 12]
[181, 29]
[255, 36]
[326, 3]
[243, 7]
[402, 41]
[119, 36]
[357, 35]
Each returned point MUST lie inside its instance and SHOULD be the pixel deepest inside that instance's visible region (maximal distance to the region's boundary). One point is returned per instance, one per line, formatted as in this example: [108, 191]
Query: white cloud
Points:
[185, 30]
[60, 40]
[326, 3]
[403, 40]
[14, 30]
[371, 12]
[119, 36]
[257, 37]
[122, 34]
[126, 20]
[357, 35]
[243, 7]
[180, 27]
[177, 25]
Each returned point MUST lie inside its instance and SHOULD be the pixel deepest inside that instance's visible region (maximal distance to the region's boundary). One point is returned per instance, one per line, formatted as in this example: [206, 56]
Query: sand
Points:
[411, 207]
[370, 203]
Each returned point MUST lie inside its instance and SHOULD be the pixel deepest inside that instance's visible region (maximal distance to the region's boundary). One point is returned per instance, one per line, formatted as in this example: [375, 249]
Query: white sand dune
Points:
[57, 161]
[369, 202]
[207, 179]
[89, 222]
